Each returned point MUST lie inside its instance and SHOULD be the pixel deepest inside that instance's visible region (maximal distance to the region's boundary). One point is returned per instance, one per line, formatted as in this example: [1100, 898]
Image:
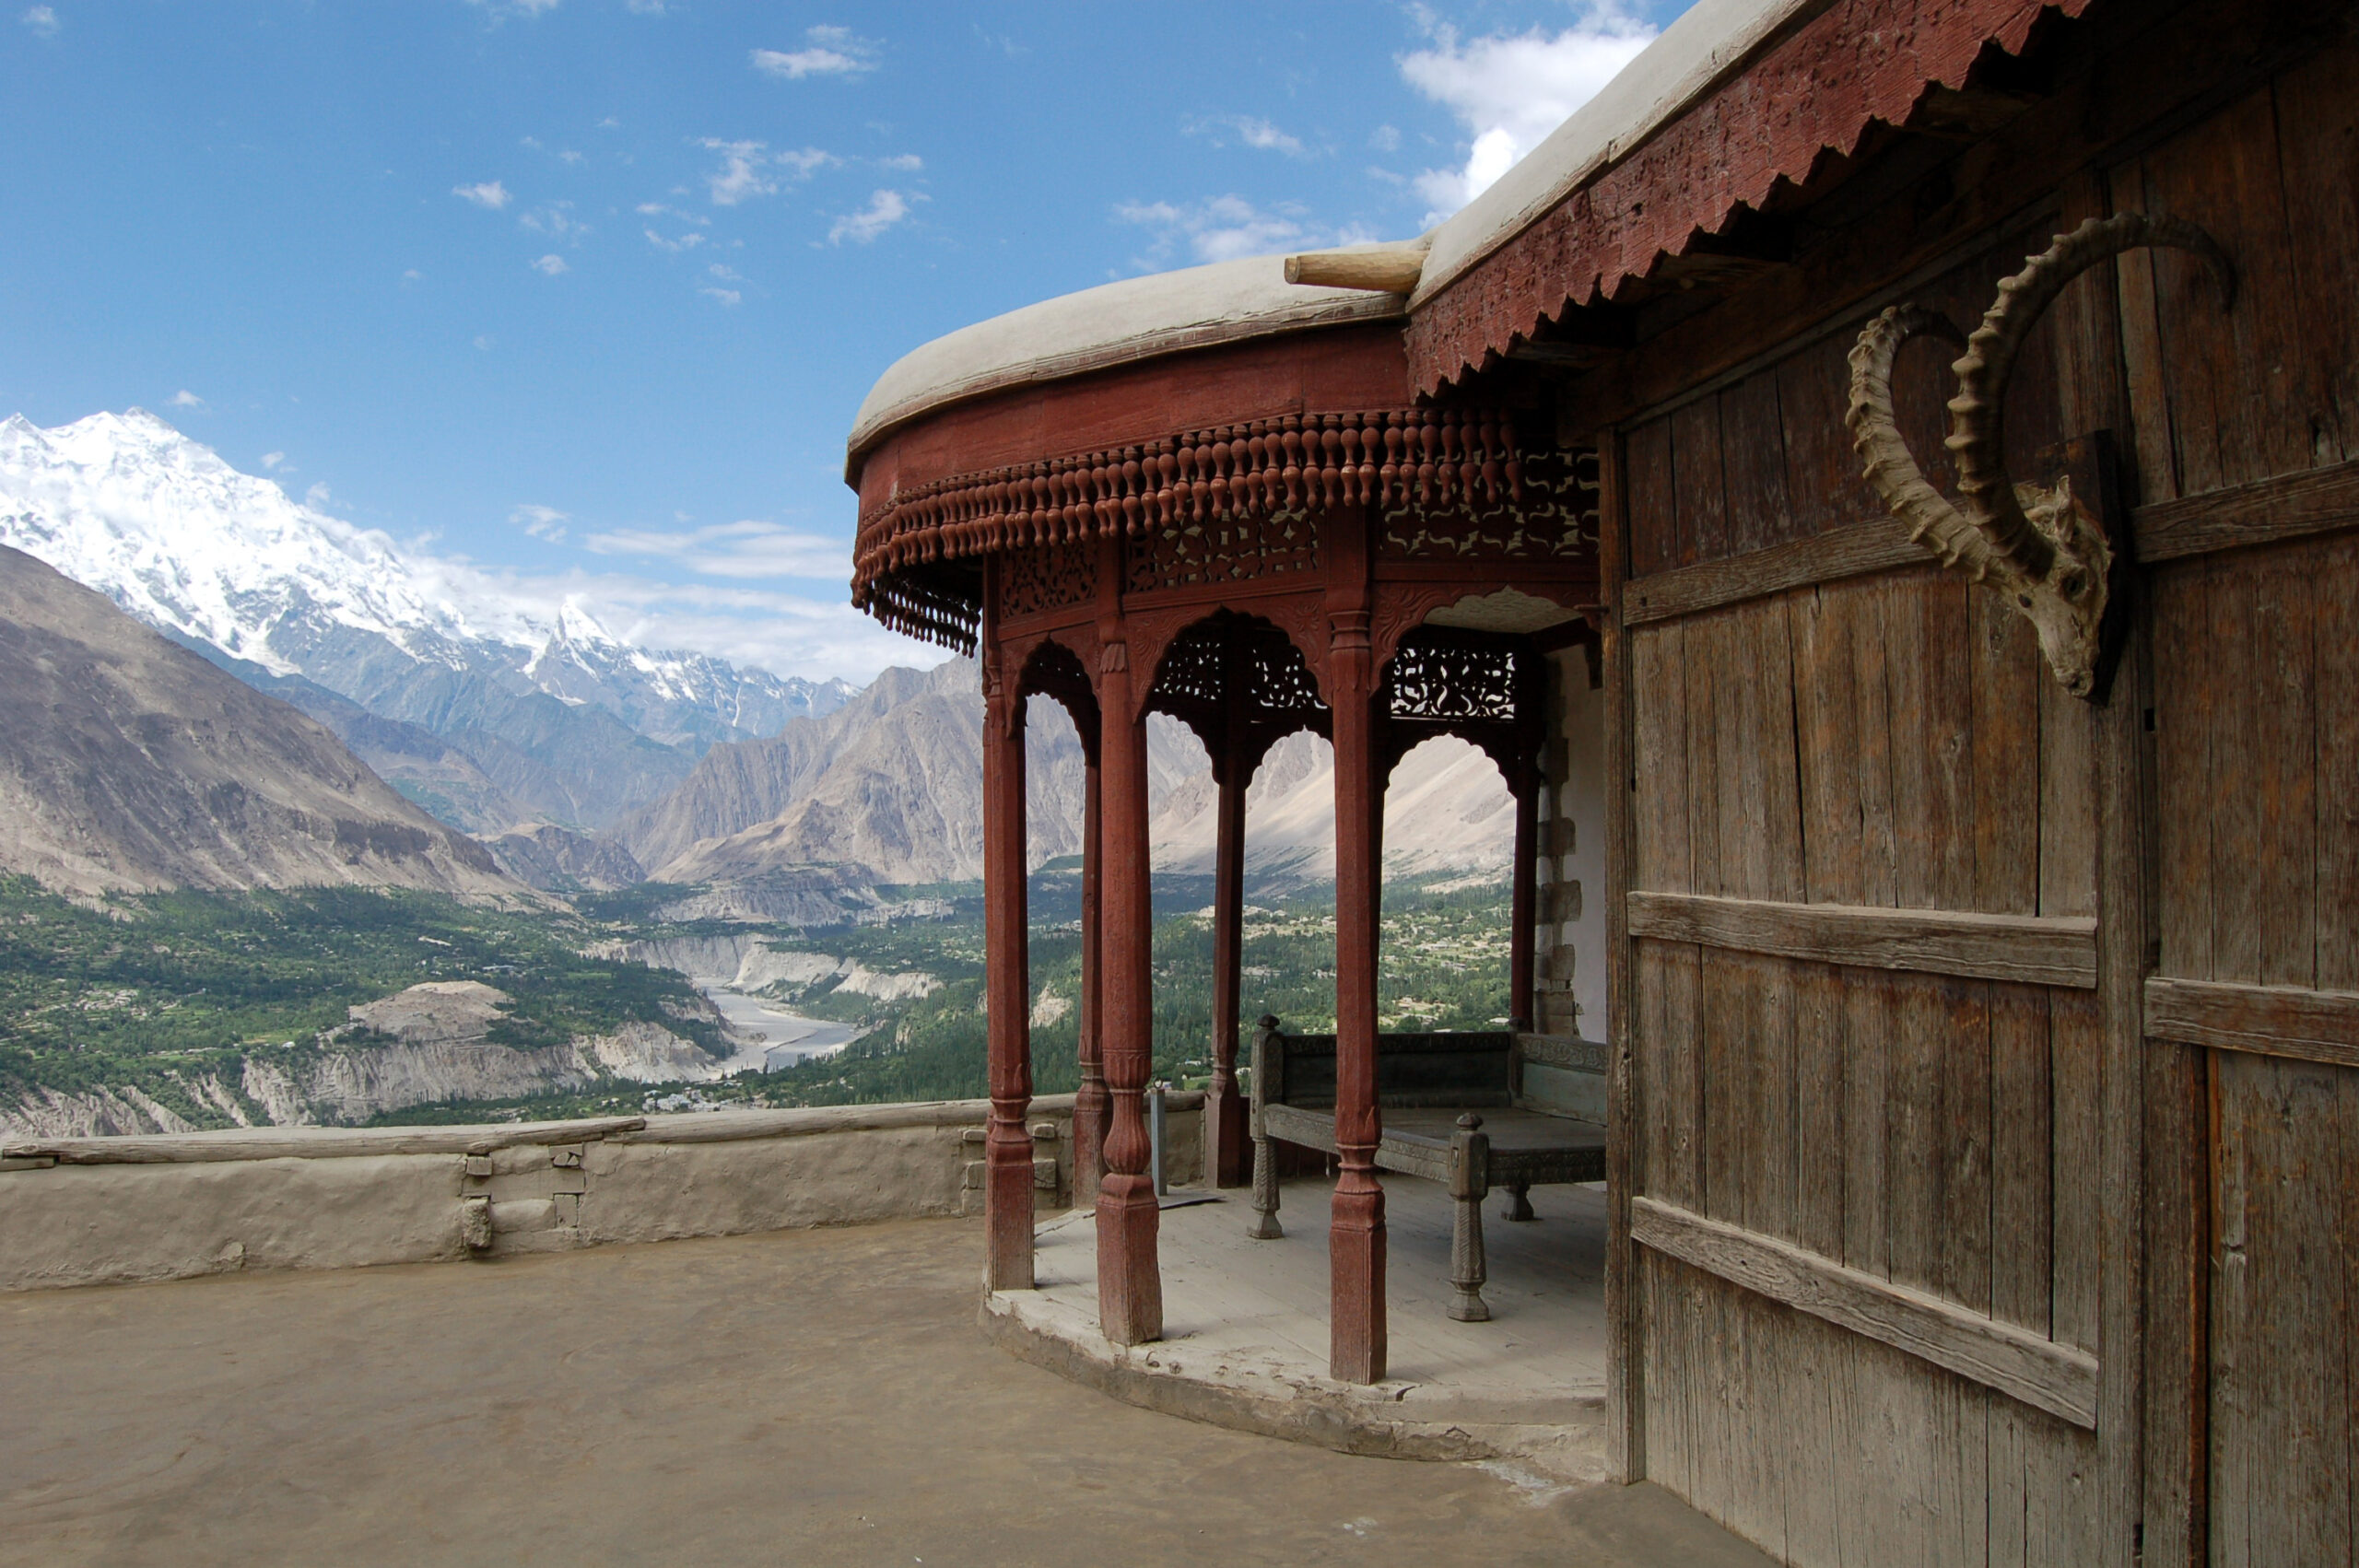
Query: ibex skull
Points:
[2040, 546]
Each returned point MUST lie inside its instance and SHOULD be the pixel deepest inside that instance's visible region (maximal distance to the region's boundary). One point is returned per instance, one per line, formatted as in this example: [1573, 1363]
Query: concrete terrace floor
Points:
[811, 1397]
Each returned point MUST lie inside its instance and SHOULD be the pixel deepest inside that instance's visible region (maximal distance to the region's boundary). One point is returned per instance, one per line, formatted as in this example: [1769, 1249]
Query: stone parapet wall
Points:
[102, 1211]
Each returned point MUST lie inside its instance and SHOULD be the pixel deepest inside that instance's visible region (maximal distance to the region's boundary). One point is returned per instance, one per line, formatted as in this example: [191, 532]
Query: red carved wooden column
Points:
[1521, 1012]
[1355, 1230]
[1007, 1148]
[1227, 1138]
[1130, 1284]
[1091, 1106]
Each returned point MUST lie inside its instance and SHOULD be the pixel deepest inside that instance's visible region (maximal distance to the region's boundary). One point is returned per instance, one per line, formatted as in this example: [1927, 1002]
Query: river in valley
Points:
[775, 1038]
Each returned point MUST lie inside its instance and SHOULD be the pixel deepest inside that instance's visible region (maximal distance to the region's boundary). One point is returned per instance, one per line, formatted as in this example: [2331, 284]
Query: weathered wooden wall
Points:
[1946, 1251]
[2256, 718]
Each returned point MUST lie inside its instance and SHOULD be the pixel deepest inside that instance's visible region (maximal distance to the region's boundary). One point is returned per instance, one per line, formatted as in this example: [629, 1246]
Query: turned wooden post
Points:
[1225, 1135]
[1355, 1231]
[1092, 1107]
[1007, 1149]
[1470, 1183]
[1130, 1285]
[1521, 936]
[1269, 1071]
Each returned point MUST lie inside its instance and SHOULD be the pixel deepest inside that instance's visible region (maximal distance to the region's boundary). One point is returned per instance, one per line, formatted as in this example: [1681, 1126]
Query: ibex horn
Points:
[2040, 546]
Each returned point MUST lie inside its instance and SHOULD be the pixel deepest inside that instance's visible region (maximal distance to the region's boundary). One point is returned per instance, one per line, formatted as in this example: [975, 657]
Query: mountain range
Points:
[544, 717]
[128, 764]
[582, 761]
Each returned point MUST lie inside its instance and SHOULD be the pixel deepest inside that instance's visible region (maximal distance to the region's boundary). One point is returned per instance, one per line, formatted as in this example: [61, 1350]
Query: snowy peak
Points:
[128, 505]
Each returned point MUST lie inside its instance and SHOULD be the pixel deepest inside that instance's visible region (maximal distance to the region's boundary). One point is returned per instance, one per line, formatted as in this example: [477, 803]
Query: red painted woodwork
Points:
[1007, 1148]
[1857, 62]
[1356, 1228]
[1130, 1284]
[1228, 1139]
[1092, 1109]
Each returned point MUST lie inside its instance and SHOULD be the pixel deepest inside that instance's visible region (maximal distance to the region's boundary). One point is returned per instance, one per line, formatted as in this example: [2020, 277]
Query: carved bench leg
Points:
[1265, 1226]
[1519, 1201]
[1470, 1183]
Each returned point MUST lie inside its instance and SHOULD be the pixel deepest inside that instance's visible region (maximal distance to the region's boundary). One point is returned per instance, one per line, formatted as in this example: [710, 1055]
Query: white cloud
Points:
[907, 162]
[1227, 228]
[831, 52]
[483, 342]
[1385, 138]
[491, 195]
[551, 266]
[644, 7]
[42, 19]
[270, 460]
[725, 273]
[318, 498]
[751, 548]
[1510, 90]
[1247, 132]
[740, 173]
[687, 241]
[555, 222]
[545, 523]
[185, 399]
[725, 295]
[885, 209]
[412, 275]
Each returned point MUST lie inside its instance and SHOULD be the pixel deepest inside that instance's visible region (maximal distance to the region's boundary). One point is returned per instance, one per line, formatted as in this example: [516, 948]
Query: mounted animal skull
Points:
[2040, 546]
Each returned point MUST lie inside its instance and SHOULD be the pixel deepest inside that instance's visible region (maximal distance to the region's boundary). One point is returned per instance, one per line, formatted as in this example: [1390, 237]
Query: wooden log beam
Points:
[2288, 505]
[2026, 949]
[1854, 550]
[2059, 1379]
[2285, 1021]
[1392, 270]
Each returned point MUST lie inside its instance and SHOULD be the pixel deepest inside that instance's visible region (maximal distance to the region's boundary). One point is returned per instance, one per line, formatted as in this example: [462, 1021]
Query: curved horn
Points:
[1876, 437]
[2040, 546]
[1978, 414]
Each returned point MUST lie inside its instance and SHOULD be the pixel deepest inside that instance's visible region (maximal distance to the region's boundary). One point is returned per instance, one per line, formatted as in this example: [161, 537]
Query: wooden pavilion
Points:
[1981, 906]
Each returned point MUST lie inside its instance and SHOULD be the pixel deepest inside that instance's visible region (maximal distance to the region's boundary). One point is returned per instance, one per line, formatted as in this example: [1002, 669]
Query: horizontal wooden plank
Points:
[2028, 950]
[2059, 1379]
[1850, 551]
[2316, 500]
[2269, 1020]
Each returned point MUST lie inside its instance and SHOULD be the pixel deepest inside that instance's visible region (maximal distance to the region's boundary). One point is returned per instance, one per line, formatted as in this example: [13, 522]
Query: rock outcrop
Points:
[129, 763]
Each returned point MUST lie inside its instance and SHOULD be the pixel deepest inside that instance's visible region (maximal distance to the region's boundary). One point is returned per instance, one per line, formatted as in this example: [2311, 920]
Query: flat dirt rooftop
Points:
[799, 1397]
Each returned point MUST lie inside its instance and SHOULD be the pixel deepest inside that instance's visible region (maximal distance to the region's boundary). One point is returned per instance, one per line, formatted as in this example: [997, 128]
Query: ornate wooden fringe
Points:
[1386, 458]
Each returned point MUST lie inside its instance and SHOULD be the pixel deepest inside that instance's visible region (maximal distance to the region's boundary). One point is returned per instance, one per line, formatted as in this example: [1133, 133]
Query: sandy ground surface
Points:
[813, 1397]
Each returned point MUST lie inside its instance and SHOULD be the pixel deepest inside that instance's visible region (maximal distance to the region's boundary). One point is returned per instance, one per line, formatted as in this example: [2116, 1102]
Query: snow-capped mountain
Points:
[574, 722]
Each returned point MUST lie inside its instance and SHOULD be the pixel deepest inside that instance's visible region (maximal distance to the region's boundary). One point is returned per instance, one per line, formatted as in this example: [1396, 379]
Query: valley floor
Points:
[808, 1397]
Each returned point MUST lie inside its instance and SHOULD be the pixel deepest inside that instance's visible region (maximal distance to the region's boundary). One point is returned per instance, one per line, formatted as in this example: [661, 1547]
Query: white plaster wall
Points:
[99, 1211]
[1570, 942]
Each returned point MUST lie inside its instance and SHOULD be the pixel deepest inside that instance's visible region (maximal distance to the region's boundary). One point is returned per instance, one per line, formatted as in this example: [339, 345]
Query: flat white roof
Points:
[1167, 312]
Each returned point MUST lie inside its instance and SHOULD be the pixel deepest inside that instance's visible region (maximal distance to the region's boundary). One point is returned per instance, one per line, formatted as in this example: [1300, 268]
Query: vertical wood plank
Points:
[2021, 1099]
[1821, 1096]
[1962, 1248]
[2234, 808]
[2075, 1056]
[1626, 1109]
[2282, 767]
[1914, 1166]
[2317, 129]
[1659, 785]
[2188, 676]
[1868, 1007]
[1752, 455]
[1826, 727]
[2005, 678]
[1823, 482]
[2152, 415]
[1699, 483]
[1652, 512]
[2335, 634]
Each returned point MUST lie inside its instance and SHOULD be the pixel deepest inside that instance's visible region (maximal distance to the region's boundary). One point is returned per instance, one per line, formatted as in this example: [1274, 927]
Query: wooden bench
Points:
[1475, 1111]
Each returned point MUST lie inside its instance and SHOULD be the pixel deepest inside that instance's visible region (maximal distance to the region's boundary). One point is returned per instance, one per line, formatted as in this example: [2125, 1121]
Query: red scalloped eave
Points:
[1860, 61]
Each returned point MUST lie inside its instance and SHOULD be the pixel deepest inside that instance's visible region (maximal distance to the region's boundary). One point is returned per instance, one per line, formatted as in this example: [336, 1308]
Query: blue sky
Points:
[585, 292]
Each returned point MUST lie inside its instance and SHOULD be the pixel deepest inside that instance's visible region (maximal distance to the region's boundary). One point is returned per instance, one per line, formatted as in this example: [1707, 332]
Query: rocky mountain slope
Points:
[128, 763]
[893, 783]
[566, 721]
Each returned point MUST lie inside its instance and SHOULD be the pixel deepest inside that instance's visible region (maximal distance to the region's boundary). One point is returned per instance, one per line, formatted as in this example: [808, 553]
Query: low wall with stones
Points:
[97, 1211]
